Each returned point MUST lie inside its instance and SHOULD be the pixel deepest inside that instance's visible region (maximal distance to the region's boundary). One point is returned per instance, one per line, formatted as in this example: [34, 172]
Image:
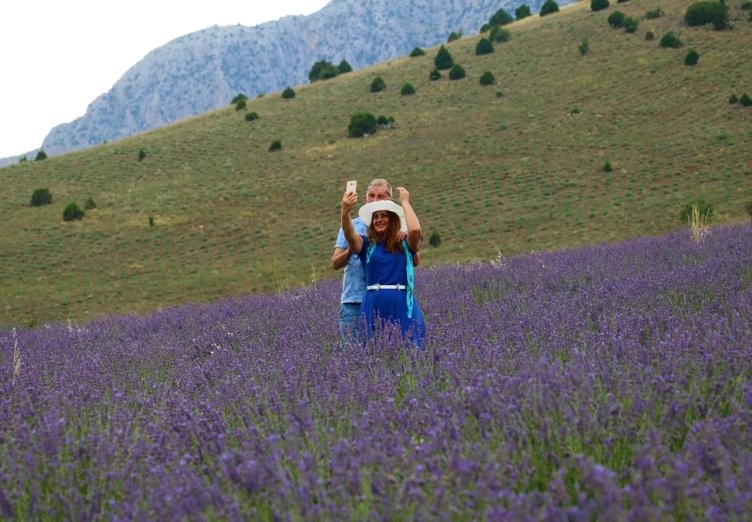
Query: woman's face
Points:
[380, 220]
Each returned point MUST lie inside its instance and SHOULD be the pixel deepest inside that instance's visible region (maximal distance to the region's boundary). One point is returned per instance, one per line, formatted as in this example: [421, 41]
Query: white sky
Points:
[57, 56]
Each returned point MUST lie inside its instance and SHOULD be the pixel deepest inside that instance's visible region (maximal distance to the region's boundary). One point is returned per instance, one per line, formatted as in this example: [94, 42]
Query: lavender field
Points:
[612, 383]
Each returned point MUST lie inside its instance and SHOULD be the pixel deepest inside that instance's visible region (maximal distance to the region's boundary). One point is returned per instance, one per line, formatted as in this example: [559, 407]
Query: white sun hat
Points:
[367, 210]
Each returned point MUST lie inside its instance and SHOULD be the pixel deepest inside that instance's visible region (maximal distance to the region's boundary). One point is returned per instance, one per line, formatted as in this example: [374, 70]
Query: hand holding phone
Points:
[352, 186]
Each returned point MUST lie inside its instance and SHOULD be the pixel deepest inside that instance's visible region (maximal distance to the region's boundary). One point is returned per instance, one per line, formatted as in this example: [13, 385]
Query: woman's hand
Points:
[348, 200]
[404, 195]
[354, 241]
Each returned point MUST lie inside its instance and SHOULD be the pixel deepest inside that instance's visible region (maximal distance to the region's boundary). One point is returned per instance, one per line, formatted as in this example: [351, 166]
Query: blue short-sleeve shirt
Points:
[353, 279]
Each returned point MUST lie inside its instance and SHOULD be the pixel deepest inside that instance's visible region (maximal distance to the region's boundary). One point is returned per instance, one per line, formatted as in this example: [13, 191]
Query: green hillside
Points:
[507, 168]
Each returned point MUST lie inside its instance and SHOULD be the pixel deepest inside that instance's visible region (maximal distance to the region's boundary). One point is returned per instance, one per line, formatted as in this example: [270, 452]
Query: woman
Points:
[387, 262]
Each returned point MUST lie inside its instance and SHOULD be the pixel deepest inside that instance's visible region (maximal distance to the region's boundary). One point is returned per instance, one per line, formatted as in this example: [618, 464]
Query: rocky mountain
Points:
[204, 70]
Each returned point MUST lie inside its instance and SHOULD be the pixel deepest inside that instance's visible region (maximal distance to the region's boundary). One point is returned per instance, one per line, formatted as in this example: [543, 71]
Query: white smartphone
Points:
[352, 186]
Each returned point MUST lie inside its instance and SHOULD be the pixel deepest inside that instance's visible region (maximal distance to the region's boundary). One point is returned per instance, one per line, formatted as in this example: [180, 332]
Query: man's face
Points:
[377, 193]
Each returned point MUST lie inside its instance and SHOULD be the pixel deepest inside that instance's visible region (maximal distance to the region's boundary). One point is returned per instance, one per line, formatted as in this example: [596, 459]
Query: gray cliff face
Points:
[204, 70]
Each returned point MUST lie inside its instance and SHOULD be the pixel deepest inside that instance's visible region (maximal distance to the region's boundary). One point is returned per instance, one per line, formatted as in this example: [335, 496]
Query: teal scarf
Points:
[410, 274]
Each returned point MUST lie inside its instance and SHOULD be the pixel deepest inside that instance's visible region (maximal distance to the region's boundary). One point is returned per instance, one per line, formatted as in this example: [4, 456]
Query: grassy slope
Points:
[507, 168]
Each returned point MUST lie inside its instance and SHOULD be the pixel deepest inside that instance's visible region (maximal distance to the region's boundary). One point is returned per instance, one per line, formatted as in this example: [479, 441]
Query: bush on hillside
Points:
[443, 59]
[616, 19]
[41, 196]
[748, 206]
[733, 99]
[250, 116]
[487, 78]
[407, 89]
[456, 72]
[484, 46]
[378, 84]
[655, 13]
[434, 75]
[275, 146]
[344, 67]
[240, 105]
[501, 17]
[549, 7]
[522, 11]
[454, 35]
[72, 212]
[499, 34]
[417, 52]
[598, 5]
[584, 46]
[386, 122]
[361, 123]
[288, 93]
[41, 156]
[141, 154]
[670, 40]
[238, 97]
[630, 24]
[435, 240]
[321, 70]
[691, 57]
[701, 13]
[649, 36]
[745, 100]
[90, 204]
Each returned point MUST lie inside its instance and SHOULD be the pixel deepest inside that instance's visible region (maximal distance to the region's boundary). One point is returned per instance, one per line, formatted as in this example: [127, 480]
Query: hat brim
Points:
[366, 211]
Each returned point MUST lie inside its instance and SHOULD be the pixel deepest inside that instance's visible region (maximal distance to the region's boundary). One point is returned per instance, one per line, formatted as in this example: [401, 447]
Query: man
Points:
[353, 280]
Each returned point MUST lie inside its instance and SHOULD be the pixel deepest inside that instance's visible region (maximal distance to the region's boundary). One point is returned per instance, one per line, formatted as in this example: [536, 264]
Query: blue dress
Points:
[383, 267]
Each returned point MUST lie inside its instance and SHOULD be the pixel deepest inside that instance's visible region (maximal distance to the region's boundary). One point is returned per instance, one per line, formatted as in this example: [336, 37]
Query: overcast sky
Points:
[57, 56]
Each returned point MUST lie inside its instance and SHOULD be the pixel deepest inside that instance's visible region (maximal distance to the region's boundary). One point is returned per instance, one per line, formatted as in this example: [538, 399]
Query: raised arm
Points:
[414, 232]
[354, 241]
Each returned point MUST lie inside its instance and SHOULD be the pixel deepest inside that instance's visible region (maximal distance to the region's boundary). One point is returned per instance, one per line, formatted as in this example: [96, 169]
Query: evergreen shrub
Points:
[584, 46]
[616, 19]
[549, 7]
[522, 11]
[41, 196]
[701, 13]
[499, 34]
[443, 59]
[630, 24]
[407, 89]
[670, 40]
[691, 57]
[456, 72]
[378, 84]
[72, 212]
[484, 46]
[361, 123]
[487, 78]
